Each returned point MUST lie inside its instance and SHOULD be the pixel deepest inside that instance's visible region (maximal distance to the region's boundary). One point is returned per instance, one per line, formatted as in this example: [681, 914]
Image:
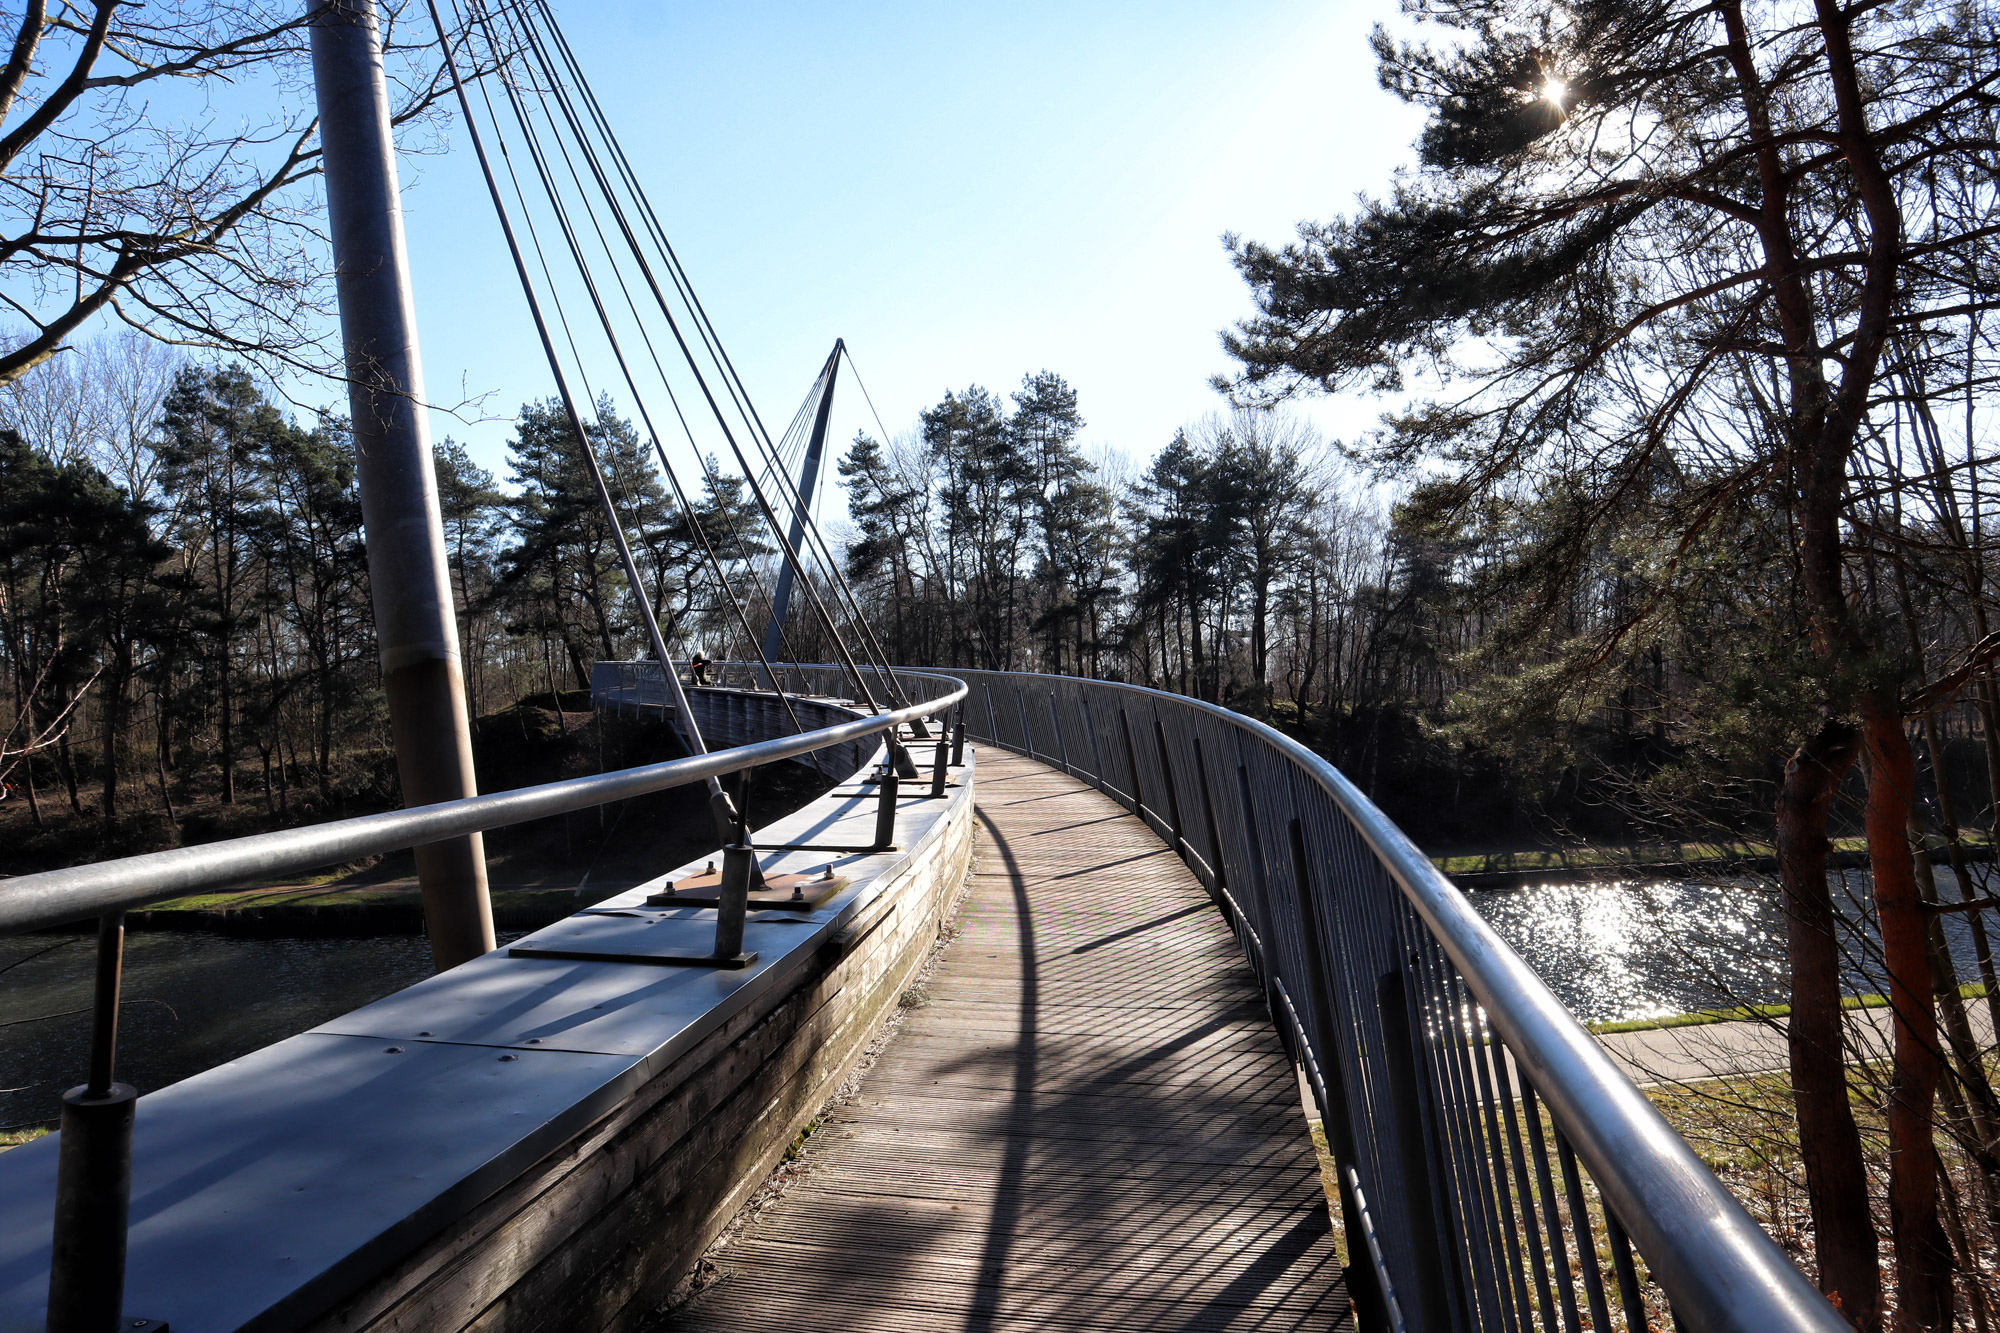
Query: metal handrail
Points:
[56, 897]
[94, 1168]
[1419, 1024]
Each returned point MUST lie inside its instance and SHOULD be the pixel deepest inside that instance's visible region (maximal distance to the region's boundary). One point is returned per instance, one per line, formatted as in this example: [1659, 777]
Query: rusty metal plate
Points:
[800, 892]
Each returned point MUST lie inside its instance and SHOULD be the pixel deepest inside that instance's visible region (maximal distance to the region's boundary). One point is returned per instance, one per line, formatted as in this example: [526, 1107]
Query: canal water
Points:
[1610, 950]
[191, 1001]
[1617, 949]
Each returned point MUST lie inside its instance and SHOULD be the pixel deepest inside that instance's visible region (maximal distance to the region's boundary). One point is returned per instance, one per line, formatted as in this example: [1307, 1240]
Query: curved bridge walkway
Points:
[1090, 1123]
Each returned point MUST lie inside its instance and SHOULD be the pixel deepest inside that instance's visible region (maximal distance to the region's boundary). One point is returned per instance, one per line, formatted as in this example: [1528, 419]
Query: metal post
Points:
[1173, 792]
[885, 811]
[942, 759]
[407, 572]
[732, 902]
[1214, 829]
[958, 739]
[1405, 1124]
[1334, 1116]
[94, 1167]
[1131, 761]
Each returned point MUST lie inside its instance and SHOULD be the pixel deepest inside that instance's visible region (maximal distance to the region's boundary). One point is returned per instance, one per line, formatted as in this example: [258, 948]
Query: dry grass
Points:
[1743, 1128]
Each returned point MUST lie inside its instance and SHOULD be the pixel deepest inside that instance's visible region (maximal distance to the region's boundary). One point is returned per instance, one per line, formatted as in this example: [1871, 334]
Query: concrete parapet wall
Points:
[596, 1234]
[536, 1140]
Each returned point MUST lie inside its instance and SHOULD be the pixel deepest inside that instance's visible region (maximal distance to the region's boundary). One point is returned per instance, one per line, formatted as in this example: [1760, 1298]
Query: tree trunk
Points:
[1982, 945]
[1967, 1095]
[1829, 1144]
[66, 767]
[162, 743]
[114, 727]
[228, 737]
[1923, 1253]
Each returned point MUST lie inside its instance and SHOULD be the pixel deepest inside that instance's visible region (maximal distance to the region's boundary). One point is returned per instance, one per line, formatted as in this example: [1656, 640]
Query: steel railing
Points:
[93, 1185]
[1471, 1118]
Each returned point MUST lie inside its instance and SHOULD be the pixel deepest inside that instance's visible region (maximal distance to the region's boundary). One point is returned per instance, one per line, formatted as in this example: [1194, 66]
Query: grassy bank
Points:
[1745, 1012]
[1660, 858]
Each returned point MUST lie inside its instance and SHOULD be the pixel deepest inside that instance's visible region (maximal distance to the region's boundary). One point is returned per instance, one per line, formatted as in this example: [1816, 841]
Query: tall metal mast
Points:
[407, 572]
[808, 477]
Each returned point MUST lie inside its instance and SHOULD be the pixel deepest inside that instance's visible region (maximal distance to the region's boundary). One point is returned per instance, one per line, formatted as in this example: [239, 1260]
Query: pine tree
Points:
[1646, 233]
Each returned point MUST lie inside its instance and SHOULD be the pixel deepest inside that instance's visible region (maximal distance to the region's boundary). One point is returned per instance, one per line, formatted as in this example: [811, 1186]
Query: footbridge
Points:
[1168, 919]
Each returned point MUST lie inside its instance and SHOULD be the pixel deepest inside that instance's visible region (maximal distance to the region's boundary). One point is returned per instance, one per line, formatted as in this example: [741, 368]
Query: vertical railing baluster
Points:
[1486, 1050]
[1335, 1115]
[1214, 857]
[1131, 764]
[1173, 789]
[1545, 1298]
[1465, 1200]
[1630, 1296]
[1096, 751]
[1425, 1228]
[1531, 1112]
[1586, 1243]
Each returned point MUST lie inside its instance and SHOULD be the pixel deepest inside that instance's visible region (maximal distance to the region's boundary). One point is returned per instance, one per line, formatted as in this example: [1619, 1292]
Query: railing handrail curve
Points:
[57, 897]
[1719, 1268]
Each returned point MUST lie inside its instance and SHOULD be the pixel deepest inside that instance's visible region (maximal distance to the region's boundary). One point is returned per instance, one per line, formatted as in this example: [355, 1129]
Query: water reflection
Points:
[1620, 949]
[192, 1001]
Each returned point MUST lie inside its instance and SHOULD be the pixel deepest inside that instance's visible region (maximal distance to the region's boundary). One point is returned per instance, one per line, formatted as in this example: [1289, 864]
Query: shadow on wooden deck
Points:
[1089, 1122]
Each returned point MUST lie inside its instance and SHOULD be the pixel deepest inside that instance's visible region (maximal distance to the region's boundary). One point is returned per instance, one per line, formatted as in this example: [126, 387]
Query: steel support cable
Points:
[796, 442]
[792, 444]
[744, 462]
[812, 404]
[680, 495]
[718, 800]
[757, 491]
[576, 254]
[569, 336]
[711, 340]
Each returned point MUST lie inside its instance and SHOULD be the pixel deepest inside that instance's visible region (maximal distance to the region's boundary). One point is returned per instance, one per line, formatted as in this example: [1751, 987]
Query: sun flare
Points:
[1555, 90]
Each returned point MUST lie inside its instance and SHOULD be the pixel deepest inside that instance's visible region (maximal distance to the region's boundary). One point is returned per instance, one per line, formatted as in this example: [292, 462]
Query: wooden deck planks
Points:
[1088, 1125]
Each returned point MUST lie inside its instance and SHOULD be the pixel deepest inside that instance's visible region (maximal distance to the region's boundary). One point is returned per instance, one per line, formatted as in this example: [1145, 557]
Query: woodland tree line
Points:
[1682, 319]
[184, 611]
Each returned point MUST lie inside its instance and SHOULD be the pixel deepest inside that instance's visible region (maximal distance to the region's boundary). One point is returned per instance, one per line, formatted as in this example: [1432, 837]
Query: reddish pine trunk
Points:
[1829, 1144]
[1923, 1254]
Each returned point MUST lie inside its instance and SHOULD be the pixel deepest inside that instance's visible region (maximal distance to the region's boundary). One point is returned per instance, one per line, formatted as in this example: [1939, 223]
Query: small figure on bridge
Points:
[698, 668]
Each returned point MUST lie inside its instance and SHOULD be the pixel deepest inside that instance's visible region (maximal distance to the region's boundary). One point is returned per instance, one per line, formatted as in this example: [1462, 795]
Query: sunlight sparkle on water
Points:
[1620, 949]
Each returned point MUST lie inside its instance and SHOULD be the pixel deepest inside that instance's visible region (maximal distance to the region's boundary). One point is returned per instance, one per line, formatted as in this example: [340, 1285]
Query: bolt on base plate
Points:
[799, 892]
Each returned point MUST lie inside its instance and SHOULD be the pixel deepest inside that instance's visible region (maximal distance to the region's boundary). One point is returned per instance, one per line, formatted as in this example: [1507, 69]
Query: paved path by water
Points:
[1089, 1124]
[1715, 1050]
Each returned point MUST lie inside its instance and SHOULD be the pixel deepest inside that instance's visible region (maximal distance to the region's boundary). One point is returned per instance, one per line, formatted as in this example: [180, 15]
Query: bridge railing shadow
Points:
[1496, 1169]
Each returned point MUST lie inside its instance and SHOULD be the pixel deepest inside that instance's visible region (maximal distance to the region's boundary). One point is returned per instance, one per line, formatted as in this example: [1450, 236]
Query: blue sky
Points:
[965, 193]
